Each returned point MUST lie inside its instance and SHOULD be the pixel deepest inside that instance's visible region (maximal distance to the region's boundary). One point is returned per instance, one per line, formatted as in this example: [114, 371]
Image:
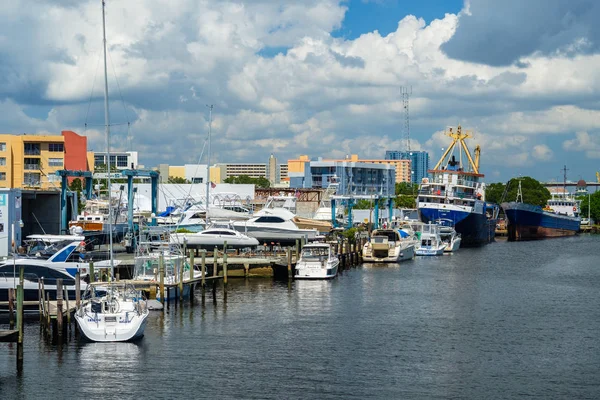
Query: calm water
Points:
[508, 320]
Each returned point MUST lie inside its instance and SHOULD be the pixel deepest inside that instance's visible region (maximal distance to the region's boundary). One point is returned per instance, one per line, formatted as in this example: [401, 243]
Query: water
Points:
[504, 321]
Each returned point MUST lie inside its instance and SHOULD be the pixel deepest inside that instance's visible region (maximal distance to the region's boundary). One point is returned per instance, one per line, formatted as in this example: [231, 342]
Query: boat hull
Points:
[529, 222]
[97, 330]
[475, 229]
[422, 251]
[405, 253]
[305, 272]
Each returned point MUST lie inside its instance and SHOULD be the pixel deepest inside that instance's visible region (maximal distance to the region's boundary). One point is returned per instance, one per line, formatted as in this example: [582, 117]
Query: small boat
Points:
[215, 236]
[431, 242]
[274, 225]
[317, 261]
[389, 246]
[450, 238]
[112, 312]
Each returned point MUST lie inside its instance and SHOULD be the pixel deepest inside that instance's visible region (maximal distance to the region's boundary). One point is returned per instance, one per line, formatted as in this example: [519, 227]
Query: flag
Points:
[297, 194]
[212, 185]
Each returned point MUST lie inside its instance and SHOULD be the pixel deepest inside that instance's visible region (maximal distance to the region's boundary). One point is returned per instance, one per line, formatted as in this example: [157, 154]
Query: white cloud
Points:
[584, 142]
[321, 95]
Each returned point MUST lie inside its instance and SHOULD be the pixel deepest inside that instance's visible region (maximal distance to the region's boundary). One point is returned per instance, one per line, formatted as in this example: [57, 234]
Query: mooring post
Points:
[289, 262]
[203, 270]
[59, 306]
[92, 277]
[297, 249]
[42, 298]
[77, 289]
[181, 278]
[67, 305]
[20, 313]
[48, 320]
[11, 307]
[246, 270]
[225, 264]
[192, 265]
[215, 266]
[161, 274]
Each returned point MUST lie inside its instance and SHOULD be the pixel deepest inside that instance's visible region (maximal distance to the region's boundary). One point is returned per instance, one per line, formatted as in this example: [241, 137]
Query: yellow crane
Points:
[598, 176]
[458, 139]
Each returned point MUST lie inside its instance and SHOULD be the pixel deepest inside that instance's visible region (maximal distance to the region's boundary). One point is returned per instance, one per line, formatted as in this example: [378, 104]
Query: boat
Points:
[431, 243]
[317, 261]
[63, 264]
[389, 246]
[215, 236]
[289, 203]
[274, 225]
[456, 193]
[111, 311]
[92, 222]
[560, 217]
[450, 238]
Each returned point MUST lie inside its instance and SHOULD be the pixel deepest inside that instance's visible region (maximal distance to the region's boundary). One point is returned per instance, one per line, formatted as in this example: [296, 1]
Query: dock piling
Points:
[11, 308]
[59, 306]
[92, 277]
[20, 314]
[225, 264]
[161, 273]
[215, 266]
[289, 262]
[77, 290]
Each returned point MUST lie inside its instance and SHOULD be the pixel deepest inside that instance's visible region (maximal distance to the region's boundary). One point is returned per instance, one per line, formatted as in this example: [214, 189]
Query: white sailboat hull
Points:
[127, 326]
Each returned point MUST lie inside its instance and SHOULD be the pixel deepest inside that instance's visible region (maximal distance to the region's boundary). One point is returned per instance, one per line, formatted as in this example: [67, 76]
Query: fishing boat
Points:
[456, 193]
[389, 246]
[111, 311]
[431, 243]
[560, 217]
[317, 261]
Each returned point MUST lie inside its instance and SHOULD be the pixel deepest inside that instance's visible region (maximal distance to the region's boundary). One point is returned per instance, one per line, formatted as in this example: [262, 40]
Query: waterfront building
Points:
[119, 160]
[403, 167]
[272, 170]
[353, 178]
[31, 161]
[419, 162]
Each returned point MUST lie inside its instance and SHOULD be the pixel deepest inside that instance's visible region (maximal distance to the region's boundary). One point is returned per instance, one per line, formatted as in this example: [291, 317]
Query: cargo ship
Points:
[560, 217]
[455, 194]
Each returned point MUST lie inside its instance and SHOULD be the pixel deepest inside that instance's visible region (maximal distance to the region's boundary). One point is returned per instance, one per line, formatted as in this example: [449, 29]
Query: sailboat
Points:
[111, 311]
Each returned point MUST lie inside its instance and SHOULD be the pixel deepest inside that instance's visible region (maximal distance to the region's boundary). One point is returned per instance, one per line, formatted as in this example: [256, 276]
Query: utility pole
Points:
[406, 92]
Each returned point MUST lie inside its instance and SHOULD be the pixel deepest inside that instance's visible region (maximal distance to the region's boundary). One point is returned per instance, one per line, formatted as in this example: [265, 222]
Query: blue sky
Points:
[314, 77]
[383, 15]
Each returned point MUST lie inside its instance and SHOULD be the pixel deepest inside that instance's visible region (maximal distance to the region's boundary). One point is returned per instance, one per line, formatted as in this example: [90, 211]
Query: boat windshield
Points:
[315, 253]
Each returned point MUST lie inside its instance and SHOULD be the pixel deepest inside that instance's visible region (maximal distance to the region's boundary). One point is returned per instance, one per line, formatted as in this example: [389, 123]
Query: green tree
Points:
[77, 186]
[245, 179]
[593, 202]
[533, 191]
[405, 201]
[177, 179]
[407, 188]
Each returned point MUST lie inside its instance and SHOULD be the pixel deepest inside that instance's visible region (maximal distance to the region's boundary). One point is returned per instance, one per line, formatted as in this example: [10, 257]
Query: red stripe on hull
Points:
[524, 232]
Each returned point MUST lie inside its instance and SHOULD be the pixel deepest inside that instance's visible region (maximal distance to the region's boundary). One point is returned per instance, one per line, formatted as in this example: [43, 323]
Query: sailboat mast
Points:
[107, 131]
[210, 108]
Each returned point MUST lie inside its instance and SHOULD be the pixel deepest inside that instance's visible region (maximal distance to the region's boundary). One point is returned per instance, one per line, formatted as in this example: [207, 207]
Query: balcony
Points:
[31, 167]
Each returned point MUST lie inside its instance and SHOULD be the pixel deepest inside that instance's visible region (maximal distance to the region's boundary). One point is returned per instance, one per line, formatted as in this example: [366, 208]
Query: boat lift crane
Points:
[350, 201]
[64, 188]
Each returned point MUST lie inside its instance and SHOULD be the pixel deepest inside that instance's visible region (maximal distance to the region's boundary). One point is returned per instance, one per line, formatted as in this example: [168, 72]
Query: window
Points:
[54, 178]
[56, 147]
[31, 179]
[122, 161]
[99, 160]
[2, 161]
[32, 164]
[197, 180]
[32, 149]
[2, 146]
[55, 162]
[2, 176]
[269, 220]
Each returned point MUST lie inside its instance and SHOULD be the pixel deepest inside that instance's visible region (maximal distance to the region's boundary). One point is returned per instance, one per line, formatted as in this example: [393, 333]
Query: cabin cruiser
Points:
[63, 264]
[389, 246]
[274, 225]
[317, 261]
[450, 238]
[431, 242]
[93, 221]
[214, 236]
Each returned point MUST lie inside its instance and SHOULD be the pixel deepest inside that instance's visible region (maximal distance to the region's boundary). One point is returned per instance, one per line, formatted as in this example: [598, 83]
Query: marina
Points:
[429, 310]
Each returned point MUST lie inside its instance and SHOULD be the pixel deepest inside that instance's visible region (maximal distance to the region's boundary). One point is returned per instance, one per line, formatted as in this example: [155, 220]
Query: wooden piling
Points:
[77, 290]
[289, 262]
[42, 297]
[203, 269]
[20, 314]
[180, 285]
[11, 307]
[92, 277]
[246, 270]
[297, 249]
[192, 265]
[59, 306]
[67, 306]
[215, 266]
[48, 310]
[161, 273]
[225, 263]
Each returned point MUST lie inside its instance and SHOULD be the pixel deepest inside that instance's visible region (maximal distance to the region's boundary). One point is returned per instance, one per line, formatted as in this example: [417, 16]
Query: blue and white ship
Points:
[455, 194]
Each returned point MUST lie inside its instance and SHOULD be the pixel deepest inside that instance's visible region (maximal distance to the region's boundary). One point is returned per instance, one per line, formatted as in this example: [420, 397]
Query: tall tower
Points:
[272, 170]
[406, 92]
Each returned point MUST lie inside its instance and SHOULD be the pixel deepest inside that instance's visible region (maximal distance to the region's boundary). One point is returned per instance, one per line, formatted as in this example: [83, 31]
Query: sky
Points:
[315, 77]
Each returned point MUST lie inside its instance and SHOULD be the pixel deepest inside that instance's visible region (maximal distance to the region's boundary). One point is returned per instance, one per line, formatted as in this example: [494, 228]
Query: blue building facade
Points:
[419, 162]
[353, 178]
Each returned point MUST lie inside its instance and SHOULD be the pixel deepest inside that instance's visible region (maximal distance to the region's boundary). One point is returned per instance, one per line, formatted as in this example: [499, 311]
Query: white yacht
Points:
[112, 312]
[317, 261]
[431, 242]
[63, 264]
[389, 246]
[450, 238]
[216, 235]
[274, 225]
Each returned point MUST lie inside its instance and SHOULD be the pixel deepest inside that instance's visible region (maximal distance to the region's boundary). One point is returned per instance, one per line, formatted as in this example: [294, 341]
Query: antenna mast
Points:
[406, 92]
[565, 182]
